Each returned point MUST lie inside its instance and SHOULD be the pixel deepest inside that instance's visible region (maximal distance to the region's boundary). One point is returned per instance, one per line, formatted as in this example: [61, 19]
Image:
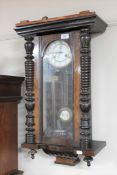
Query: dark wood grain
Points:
[30, 146]
[15, 172]
[8, 123]
[9, 86]
[93, 148]
[85, 86]
[36, 110]
[29, 93]
[8, 137]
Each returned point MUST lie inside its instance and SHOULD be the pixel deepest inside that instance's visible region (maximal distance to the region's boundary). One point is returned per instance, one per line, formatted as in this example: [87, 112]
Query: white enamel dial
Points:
[58, 54]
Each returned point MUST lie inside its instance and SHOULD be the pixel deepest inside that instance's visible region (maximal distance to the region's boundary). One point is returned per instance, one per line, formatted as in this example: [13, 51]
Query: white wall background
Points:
[104, 78]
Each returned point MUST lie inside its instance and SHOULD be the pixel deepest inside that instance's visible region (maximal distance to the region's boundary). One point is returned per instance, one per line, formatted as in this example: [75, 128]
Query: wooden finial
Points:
[44, 18]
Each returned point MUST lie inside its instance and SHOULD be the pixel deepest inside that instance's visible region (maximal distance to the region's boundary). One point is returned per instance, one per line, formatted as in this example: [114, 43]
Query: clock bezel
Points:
[49, 60]
[70, 113]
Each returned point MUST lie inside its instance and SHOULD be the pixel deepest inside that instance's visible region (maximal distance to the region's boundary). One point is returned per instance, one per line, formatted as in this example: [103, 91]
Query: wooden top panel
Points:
[46, 19]
[69, 23]
[10, 88]
[10, 79]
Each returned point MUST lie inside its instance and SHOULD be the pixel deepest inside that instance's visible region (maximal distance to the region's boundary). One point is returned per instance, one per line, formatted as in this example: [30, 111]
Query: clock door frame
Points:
[74, 43]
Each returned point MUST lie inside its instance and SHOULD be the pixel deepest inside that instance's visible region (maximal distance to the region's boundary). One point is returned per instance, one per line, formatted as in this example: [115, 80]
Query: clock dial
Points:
[58, 54]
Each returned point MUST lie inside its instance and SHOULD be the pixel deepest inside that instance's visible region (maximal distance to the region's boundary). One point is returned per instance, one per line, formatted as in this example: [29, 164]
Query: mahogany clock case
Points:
[10, 95]
[39, 35]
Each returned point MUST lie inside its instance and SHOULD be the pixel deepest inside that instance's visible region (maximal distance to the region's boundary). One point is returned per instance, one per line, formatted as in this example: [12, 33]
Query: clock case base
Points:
[66, 160]
[68, 155]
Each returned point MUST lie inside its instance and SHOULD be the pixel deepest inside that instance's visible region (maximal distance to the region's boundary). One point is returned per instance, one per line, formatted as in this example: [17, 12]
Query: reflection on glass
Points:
[57, 100]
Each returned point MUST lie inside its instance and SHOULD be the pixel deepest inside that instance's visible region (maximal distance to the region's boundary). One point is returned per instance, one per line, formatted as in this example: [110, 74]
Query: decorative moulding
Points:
[111, 23]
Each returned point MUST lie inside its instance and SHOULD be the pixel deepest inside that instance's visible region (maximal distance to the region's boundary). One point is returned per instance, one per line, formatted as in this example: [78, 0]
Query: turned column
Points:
[85, 92]
[29, 75]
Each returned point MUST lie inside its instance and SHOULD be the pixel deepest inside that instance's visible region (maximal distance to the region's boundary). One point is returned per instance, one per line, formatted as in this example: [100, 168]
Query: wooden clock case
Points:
[38, 34]
[10, 95]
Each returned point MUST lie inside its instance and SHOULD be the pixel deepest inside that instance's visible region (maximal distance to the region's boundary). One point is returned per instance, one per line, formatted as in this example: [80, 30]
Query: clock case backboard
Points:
[38, 34]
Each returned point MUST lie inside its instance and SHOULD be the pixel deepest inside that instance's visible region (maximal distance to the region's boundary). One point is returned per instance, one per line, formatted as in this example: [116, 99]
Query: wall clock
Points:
[58, 86]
